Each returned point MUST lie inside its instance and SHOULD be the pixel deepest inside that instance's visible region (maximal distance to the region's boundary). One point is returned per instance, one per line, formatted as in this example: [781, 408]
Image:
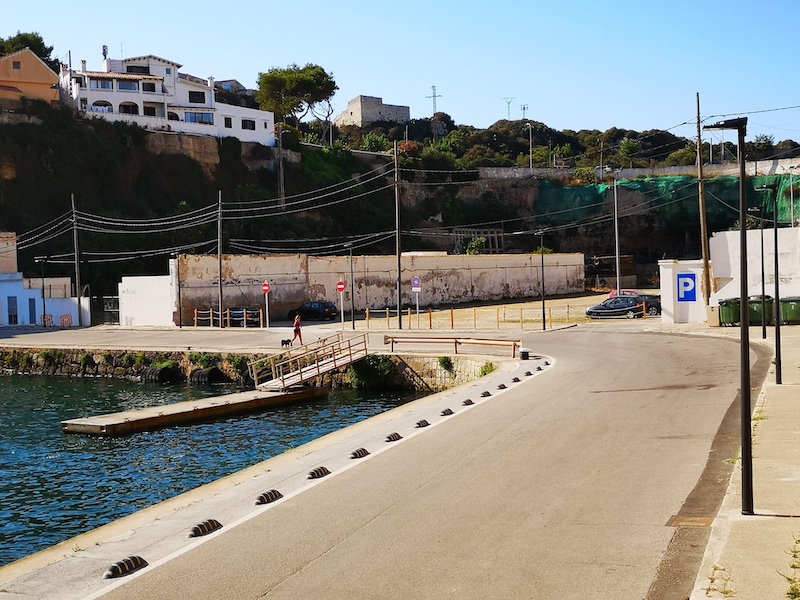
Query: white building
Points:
[149, 91]
[38, 300]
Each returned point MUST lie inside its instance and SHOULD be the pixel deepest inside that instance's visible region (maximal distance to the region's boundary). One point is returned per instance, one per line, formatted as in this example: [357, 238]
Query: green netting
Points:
[670, 197]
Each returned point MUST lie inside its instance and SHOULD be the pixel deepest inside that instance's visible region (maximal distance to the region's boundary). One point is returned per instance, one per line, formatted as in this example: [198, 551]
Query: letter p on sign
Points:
[687, 287]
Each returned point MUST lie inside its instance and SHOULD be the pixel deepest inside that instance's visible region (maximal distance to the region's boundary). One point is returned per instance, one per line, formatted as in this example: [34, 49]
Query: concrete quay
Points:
[745, 557]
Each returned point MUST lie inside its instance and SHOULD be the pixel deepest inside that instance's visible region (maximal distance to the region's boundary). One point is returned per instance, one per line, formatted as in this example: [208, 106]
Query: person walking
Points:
[297, 333]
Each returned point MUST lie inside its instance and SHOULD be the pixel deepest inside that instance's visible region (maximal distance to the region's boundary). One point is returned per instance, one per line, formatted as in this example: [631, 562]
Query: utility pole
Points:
[397, 233]
[78, 288]
[509, 100]
[701, 191]
[524, 108]
[219, 255]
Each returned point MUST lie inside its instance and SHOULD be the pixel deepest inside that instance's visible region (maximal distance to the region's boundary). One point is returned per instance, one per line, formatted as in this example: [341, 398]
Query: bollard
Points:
[497, 318]
[550, 315]
[367, 313]
[430, 318]
[474, 318]
[195, 317]
[388, 320]
[521, 324]
[452, 319]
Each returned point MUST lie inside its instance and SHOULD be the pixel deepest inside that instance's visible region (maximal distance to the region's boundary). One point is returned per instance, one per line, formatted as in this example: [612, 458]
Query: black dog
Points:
[286, 343]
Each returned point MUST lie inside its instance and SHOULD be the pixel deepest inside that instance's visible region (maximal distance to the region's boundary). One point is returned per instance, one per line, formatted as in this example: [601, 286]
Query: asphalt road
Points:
[564, 486]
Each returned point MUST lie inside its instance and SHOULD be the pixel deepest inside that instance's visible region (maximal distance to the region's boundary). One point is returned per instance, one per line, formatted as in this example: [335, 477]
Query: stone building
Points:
[362, 110]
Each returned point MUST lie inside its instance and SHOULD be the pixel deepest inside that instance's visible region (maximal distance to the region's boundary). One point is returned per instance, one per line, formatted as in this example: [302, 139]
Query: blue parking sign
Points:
[687, 287]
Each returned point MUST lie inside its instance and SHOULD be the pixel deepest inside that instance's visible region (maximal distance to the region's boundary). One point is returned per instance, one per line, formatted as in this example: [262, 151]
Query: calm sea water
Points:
[55, 486]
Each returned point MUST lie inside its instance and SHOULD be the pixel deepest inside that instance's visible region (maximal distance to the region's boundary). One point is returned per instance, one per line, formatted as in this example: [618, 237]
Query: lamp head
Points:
[739, 124]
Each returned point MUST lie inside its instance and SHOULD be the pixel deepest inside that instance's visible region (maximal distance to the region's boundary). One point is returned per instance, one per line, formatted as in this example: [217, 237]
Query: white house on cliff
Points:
[149, 91]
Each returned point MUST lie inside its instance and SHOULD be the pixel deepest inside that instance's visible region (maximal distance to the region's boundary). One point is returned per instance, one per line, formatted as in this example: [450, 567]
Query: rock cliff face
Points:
[202, 149]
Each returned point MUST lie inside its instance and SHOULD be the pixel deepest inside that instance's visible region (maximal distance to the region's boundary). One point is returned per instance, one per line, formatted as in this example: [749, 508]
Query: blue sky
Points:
[580, 64]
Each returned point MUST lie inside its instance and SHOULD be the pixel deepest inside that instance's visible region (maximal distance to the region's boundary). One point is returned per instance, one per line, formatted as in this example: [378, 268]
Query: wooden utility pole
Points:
[78, 289]
[701, 191]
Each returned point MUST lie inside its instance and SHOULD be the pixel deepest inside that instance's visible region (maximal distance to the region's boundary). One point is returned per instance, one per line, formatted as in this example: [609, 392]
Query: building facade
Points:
[362, 110]
[151, 92]
[25, 75]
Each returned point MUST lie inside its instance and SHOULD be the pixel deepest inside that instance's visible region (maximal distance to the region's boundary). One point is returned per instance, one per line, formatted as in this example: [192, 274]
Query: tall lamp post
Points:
[740, 125]
[541, 251]
[778, 367]
[41, 260]
[760, 211]
[616, 232]
[530, 145]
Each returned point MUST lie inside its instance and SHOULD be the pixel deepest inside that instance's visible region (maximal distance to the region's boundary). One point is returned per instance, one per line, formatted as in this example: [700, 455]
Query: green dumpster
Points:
[754, 305]
[790, 308]
[729, 311]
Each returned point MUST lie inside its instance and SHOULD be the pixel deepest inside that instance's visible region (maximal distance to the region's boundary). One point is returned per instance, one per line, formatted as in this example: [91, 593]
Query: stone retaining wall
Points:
[424, 373]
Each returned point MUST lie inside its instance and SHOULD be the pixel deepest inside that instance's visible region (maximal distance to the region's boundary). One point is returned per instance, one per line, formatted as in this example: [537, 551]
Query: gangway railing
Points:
[294, 367]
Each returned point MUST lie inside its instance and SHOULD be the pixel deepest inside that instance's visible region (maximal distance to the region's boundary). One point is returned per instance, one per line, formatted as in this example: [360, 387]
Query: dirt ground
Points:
[507, 316]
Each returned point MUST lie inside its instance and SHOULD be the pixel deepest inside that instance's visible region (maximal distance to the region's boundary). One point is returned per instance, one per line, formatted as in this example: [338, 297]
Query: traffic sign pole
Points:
[340, 288]
[416, 287]
[265, 289]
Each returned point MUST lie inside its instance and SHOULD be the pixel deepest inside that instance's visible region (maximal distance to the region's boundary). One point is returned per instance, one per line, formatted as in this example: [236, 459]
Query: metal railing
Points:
[296, 366]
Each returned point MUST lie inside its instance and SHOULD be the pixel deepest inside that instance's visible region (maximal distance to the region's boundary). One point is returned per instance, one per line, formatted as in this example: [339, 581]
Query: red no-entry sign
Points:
[340, 286]
[265, 287]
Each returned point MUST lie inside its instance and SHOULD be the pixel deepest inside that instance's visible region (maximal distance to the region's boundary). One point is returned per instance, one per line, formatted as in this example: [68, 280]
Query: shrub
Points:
[446, 363]
[204, 360]
[486, 369]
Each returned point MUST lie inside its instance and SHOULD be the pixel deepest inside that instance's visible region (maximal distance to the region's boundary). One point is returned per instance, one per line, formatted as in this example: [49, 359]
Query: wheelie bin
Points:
[729, 311]
[754, 305]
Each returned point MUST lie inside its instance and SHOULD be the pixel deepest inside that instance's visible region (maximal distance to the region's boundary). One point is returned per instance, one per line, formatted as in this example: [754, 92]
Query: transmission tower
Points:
[509, 101]
[524, 108]
[434, 96]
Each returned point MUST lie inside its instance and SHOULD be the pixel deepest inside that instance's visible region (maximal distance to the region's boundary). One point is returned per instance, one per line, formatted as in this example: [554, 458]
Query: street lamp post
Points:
[541, 251]
[352, 291]
[41, 260]
[616, 232]
[760, 211]
[778, 366]
[740, 125]
[530, 146]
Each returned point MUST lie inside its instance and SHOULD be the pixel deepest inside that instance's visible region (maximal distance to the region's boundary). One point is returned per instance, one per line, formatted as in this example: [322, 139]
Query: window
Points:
[205, 118]
[169, 71]
[128, 86]
[137, 69]
[149, 111]
[248, 124]
[16, 65]
[148, 86]
[197, 97]
[266, 125]
[228, 123]
[101, 84]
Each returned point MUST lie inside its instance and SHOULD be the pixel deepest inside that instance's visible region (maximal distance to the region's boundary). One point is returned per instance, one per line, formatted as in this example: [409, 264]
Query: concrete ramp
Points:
[307, 362]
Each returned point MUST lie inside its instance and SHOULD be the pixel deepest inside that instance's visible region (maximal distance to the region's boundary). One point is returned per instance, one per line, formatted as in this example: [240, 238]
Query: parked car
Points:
[626, 306]
[319, 311]
[613, 293]
[245, 317]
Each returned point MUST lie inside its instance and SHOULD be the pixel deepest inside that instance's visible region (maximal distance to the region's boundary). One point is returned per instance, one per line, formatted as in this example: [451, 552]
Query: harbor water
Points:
[54, 486]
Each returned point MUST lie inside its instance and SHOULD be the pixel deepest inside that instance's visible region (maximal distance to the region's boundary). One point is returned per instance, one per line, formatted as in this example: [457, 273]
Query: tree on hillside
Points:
[29, 40]
[295, 91]
[628, 148]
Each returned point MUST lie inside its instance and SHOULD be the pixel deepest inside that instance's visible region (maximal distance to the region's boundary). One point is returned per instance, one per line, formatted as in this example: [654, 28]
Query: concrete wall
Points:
[296, 278]
[724, 249]
[147, 301]
[8, 252]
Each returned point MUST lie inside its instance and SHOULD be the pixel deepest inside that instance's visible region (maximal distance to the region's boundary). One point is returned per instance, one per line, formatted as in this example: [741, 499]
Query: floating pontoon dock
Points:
[182, 413]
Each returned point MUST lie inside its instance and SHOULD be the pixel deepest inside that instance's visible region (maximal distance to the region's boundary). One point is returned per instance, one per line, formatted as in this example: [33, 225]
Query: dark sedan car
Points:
[319, 311]
[626, 306]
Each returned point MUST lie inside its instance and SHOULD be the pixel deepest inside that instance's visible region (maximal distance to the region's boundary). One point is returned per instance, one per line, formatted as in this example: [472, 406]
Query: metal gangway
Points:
[295, 366]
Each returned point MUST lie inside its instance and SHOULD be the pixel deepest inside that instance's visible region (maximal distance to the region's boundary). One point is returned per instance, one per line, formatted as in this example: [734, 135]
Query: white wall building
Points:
[149, 91]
